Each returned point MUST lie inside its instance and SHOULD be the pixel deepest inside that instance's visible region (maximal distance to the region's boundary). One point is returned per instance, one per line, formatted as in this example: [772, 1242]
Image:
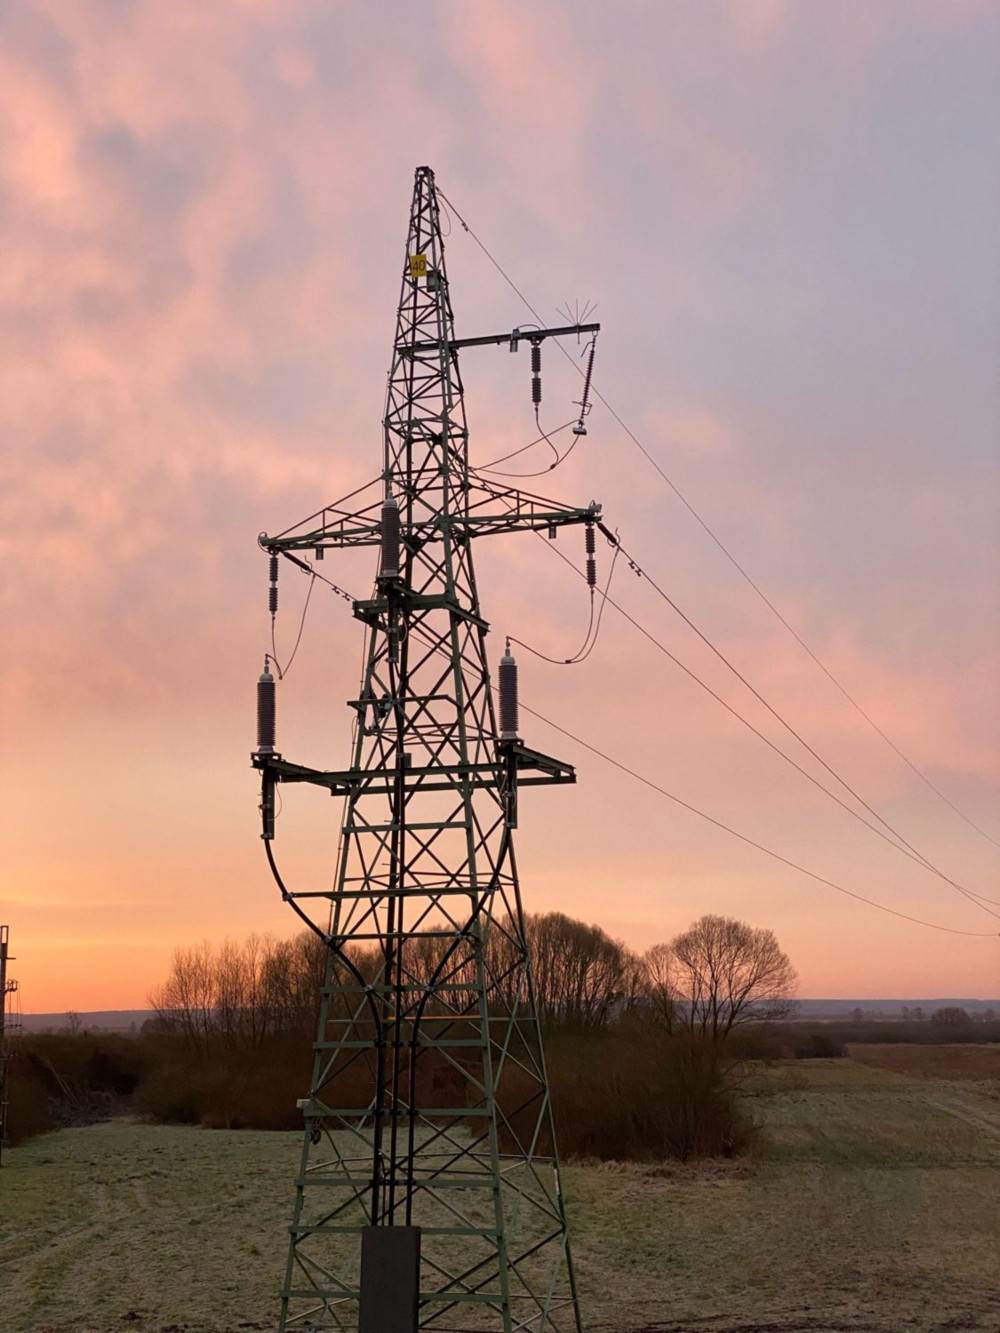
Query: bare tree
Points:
[580, 972]
[293, 975]
[660, 983]
[186, 1001]
[730, 973]
[241, 995]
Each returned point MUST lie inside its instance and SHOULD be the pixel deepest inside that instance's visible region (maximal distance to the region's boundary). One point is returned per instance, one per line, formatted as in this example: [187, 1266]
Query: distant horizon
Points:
[805, 999]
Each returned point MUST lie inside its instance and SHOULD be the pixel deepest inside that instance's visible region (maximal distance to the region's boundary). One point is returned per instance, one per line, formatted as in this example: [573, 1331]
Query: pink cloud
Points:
[505, 52]
[205, 212]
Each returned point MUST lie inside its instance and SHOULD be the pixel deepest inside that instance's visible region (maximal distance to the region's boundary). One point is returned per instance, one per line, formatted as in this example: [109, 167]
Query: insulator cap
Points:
[390, 538]
[266, 711]
[508, 696]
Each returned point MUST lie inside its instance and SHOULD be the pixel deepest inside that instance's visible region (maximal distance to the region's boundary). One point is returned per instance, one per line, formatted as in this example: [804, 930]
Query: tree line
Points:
[639, 1046]
[716, 976]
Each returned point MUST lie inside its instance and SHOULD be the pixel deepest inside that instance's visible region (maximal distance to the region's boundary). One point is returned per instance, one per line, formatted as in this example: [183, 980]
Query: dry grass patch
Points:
[955, 1060]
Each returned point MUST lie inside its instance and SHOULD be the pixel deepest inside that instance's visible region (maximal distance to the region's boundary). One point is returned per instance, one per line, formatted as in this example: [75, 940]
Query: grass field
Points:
[873, 1204]
[951, 1060]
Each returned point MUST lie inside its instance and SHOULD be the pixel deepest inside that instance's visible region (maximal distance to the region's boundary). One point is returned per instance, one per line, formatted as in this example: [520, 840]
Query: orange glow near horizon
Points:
[784, 222]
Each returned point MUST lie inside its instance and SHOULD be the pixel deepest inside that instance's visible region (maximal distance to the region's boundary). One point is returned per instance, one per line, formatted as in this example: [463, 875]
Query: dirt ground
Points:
[873, 1206]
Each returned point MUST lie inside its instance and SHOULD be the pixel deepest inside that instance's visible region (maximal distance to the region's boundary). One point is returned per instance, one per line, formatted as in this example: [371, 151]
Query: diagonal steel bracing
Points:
[429, 1105]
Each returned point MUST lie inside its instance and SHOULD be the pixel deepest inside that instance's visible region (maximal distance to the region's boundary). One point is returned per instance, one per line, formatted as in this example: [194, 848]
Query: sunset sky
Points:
[787, 214]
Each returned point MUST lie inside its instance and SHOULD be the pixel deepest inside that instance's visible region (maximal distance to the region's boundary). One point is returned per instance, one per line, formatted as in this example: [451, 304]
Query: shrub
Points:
[619, 1097]
[248, 1091]
[30, 1110]
[758, 1041]
[174, 1092]
[72, 1079]
[820, 1046]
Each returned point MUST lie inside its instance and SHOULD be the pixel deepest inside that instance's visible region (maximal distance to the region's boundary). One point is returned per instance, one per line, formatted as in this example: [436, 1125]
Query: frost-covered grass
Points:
[874, 1204]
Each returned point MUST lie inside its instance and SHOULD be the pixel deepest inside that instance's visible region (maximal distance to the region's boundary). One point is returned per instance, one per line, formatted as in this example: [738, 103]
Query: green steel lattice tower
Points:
[428, 1195]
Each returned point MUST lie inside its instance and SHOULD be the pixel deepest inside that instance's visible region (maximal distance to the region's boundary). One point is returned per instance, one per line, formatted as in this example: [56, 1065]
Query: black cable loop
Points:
[588, 645]
[273, 654]
[560, 458]
[504, 458]
[325, 936]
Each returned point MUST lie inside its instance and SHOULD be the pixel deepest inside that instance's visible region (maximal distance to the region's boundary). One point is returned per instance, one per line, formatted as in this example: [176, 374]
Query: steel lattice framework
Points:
[7, 987]
[429, 1108]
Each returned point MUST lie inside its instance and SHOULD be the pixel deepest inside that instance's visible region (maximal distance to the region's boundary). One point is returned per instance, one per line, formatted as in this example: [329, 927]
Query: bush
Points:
[628, 1092]
[89, 1071]
[30, 1110]
[620, 1096]
[72, 1079]
[756, 1041]
[229, 1090]
[173, 1093]
[617, 1095]
[820, 1046]
[889, 1031]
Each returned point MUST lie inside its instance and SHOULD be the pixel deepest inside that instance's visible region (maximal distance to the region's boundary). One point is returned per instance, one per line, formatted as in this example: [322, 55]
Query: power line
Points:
[720, 824]
[737, 565]
[504, 458]
[283, 671]
[593, 630]
[977, 899]
[916, 853]
[751, 842]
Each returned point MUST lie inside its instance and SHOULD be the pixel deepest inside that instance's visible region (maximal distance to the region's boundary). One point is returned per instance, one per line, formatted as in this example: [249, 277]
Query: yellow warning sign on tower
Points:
[418, 265]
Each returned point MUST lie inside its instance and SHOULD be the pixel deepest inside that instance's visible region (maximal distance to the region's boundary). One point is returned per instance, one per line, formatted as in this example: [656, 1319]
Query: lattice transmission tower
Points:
[8, 1029]
[429, 1193]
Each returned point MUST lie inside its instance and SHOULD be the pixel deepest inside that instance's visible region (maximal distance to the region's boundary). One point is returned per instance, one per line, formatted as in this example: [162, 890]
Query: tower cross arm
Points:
[512, 339]
[526, 518]
[494, 509]
[533, 767]
[336, 536]
[491, 510]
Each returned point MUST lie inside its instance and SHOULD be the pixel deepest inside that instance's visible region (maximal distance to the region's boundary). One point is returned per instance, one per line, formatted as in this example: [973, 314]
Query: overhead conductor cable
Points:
[706, 527]
[888, 836]
[710, 819]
